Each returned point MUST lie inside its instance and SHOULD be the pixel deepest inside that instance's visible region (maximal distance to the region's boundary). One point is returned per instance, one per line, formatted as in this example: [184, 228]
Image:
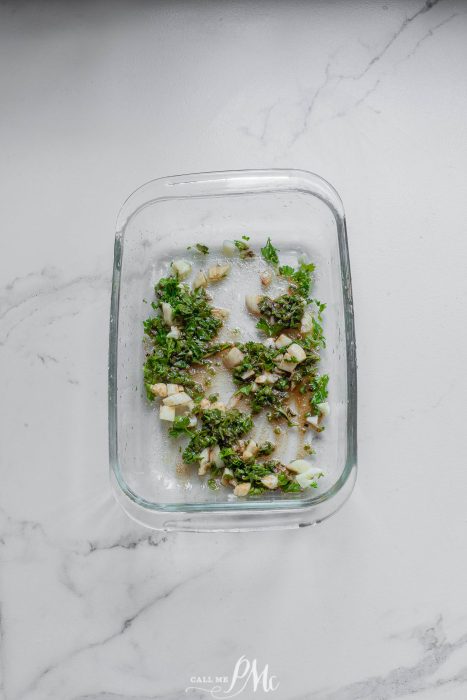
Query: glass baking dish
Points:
[303, 214]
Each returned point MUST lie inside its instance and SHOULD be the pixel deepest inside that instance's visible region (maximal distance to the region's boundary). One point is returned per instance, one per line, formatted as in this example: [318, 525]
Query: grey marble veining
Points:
[99, 98]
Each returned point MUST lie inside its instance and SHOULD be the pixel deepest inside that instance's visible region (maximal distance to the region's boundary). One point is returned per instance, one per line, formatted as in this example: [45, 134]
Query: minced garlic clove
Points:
[178, 399]
[167, 313]
[181, 268]
[174, 389]
[233, 358]
[266, 278]
[167, 413]
[200, 280]
[282, 341]
[270, 481]
[160, 390]
[217, 272]
[252, 303]
[242, 489]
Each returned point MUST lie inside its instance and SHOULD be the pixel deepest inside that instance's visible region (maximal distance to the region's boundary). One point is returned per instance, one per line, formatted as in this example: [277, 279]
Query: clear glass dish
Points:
[302, 213]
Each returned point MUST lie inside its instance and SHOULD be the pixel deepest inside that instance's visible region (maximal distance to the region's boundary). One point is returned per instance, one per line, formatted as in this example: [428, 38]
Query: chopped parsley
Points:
[244, 249]
[219, 428]
[202, 248]
[181, 427]
[269, 253]
[319, 391]
[300, 280]
[286, 311]
[171, 358]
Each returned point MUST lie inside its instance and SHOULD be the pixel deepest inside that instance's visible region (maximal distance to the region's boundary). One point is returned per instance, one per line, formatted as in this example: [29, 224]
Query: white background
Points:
[97, 98]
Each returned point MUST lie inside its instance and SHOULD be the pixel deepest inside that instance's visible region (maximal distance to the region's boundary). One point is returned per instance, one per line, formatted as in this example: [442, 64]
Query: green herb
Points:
[250, 471]
[202, 248]
[258, 358]
[246, 238]
[180, 427]
[219, 428]
[269, 253]
[245, 250]
[286, 311]
[287, 484]
[266, 448]
[300, 280]
[319, 391]
[192, 314]
[241, 245]
[213, 484]
[256, 490]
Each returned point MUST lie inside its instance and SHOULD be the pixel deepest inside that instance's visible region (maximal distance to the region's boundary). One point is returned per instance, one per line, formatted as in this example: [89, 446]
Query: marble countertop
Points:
[100, 97]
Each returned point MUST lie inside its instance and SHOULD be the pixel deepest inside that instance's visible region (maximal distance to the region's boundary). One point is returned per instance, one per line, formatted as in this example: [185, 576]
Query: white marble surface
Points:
[99, 98]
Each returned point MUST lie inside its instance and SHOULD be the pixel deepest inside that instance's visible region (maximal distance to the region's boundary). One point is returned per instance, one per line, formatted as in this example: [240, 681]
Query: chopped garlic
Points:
[270, 481]
[177, 399]
[298, 466]
[204, 462]
[233, 358]
[181, 268]
[283, 341]
[306, 479]
[250, 450]
[324, 408]
[267, 378]
[222, 314]
[174, 333]
[249, 373]
[266, 278]
[174, 389]
[286, 364]
[297, 352]
[251, 302]
[242, 489]
[219, 405]
[217, 272]
[307, 322]
[227, 476]
[200, 280]
[159, 390]
[193, 421]
[167, 413]
[270, 343]
[205, 405]
[215, 456]
[167, 313]
[233, 401]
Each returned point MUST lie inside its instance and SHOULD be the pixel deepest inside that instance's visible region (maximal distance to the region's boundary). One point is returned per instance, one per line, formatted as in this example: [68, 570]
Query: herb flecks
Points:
[269, 253]
[286, 311]
[244, 249]
[300, 280]
[221, 428]
[191, 314]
